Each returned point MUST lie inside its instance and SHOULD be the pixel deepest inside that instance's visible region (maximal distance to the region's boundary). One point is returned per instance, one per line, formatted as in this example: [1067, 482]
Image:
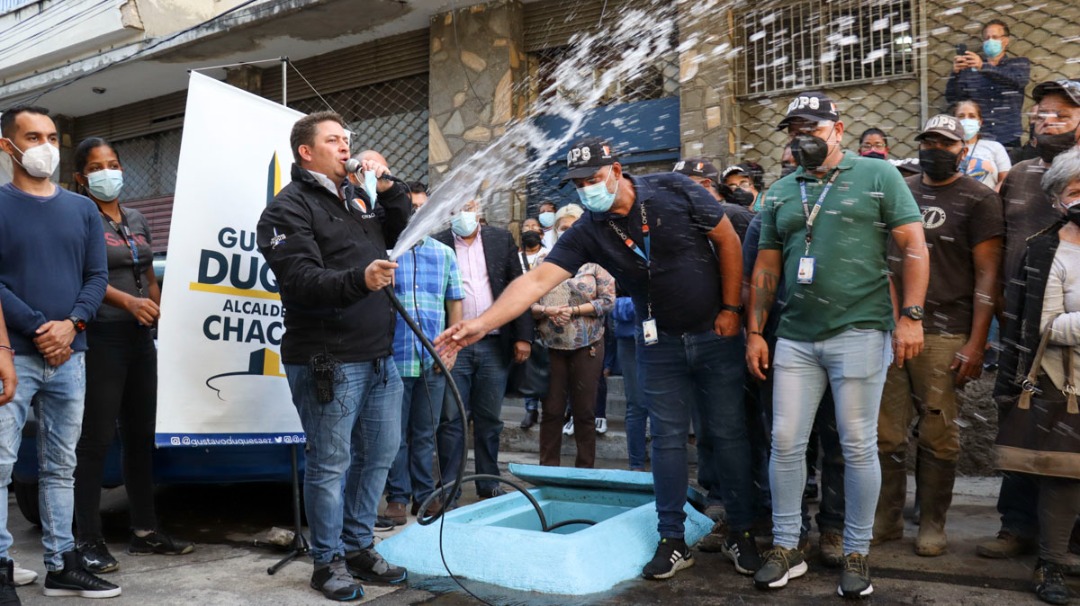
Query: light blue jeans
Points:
[351, 443]
[853, 363]
[58, 395]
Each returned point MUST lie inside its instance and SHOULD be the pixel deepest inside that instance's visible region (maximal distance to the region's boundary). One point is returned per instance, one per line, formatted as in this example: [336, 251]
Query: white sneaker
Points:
[601, 425]
[568, 429]
[23, 576]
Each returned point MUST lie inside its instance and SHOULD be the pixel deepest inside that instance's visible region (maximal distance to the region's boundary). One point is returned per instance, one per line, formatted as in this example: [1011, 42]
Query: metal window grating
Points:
[149, 165]
[389, 117]
[822, 43]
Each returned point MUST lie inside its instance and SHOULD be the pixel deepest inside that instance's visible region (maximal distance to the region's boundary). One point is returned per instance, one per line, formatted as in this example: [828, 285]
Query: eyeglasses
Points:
[873, 146]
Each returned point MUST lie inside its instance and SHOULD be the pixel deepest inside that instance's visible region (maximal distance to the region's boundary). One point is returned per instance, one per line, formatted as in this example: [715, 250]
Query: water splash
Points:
[631, 40]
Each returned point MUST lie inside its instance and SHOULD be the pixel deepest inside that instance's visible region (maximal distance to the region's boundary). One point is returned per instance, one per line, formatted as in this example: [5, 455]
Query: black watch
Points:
[739, 309]
[80, 324]
[915, 312]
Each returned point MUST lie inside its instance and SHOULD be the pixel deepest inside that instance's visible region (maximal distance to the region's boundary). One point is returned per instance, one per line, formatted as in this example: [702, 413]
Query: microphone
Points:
[353, 166]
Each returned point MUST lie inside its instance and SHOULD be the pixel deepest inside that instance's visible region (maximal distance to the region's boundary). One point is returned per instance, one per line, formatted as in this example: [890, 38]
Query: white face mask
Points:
[39, 161]
[105, 184]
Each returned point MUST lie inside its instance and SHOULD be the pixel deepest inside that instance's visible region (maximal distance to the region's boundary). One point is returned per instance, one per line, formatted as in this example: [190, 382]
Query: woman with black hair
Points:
[121, 369]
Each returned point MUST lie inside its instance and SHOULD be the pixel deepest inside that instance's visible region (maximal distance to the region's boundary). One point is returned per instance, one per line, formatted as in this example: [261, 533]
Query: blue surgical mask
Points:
[992, 48]
[464, 223]
[546, 219]
[971, 128]
[105, 184]
[370, 185]
[596, 197]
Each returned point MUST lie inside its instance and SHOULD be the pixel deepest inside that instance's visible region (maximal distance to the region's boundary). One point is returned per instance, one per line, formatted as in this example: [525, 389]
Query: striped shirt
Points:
[426, 277]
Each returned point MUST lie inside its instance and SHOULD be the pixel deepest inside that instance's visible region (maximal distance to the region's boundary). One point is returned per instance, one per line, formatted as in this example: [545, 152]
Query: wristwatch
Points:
[80, 324]
[915, 312]
[738, 309]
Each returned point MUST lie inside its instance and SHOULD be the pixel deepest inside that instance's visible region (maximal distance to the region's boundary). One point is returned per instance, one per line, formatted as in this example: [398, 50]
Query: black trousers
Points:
[121, 392]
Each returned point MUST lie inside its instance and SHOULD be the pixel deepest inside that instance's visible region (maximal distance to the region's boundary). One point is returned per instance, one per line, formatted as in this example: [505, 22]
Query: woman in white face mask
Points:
[121, 368]
[986, 161]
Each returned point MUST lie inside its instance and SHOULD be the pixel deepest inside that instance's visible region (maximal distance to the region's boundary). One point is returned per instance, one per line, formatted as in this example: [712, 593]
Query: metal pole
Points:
[284, 80]
[924, 65]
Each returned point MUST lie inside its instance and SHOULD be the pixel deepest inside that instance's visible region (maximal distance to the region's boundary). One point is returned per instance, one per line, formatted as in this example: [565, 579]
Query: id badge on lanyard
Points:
[805, 273]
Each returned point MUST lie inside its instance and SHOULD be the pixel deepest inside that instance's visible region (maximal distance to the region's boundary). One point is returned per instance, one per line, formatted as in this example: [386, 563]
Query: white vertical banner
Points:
[220, 378]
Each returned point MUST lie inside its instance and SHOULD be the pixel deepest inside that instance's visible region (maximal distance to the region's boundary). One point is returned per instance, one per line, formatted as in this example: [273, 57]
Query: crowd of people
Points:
[835, 312]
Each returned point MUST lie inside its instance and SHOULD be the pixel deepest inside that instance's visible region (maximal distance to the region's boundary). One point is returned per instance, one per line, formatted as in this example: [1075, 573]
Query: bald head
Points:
[374, 156]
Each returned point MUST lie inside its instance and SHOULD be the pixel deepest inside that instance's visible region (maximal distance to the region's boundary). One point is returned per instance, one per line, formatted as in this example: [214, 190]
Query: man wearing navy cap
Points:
[824, 231]
[657, 234]
[702, 172]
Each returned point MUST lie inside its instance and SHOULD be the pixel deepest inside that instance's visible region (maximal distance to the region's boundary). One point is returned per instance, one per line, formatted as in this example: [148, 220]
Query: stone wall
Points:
[707, 107]
[477, 70]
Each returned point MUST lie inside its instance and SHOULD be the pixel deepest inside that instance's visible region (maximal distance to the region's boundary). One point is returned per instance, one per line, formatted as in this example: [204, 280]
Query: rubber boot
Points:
[888, 519]
[935, 478]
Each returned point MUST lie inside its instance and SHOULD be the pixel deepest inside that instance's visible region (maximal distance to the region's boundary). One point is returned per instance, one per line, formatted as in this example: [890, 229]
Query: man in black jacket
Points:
[487, 258]
[326, 243]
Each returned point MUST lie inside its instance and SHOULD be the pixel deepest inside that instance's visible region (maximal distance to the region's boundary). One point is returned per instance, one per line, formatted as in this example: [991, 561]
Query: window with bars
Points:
[389, 117]
[822, 43]
[149, 165]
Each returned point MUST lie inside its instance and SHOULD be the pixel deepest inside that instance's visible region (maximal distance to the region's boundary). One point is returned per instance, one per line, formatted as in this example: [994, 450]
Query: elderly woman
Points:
[571, 325]
[1045, 300]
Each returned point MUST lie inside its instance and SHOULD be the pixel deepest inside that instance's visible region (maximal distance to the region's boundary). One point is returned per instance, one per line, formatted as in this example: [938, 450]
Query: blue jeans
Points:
[480, 374]
[853, 363]
[705, 371]
[636, 413]
[421, 405]
[57, 395]
[351, 443]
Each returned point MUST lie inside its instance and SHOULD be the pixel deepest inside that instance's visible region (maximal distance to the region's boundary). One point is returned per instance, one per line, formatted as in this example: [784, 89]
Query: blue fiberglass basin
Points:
[500, 541]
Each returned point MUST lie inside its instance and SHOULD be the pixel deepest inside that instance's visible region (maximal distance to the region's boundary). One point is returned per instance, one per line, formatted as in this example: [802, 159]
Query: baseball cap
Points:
[696, 167]
[586, 156]
[813, 106]
[945, 125]
[1069, 88]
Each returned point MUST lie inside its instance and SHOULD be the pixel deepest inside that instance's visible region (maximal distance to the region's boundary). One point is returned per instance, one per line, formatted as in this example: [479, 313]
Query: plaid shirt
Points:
[427, 276]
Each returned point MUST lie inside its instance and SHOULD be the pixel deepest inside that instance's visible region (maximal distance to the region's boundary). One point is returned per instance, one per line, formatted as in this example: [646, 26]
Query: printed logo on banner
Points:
[223, 319]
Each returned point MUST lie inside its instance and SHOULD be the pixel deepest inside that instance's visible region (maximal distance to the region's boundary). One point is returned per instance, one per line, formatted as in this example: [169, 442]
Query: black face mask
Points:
[531, 239]
[938, 164]
[1073, 214]
[742, 197]
[809, 151]
[1049, 146]
[875, 155]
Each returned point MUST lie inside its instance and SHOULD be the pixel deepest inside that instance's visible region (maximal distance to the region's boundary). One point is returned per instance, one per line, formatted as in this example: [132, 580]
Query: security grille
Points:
[821, 43]
[150, 164]
[389, 117]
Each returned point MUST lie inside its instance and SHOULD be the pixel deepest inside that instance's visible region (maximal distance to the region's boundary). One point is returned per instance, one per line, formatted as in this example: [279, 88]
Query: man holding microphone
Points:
[327, 246]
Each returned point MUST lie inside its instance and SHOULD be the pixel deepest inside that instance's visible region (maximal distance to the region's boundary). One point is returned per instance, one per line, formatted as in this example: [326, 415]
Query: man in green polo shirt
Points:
[825, 231]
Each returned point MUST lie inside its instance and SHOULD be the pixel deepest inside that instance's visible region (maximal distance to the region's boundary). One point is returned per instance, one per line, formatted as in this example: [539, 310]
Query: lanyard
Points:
[646, 254]
[812, 214]
[124, 232]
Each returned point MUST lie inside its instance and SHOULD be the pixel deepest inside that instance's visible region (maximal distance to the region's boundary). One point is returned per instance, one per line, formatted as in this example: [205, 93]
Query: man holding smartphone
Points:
[994, 81]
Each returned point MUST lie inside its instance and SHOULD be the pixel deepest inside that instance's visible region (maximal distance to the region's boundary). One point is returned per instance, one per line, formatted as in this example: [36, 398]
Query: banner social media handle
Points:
[220, 377]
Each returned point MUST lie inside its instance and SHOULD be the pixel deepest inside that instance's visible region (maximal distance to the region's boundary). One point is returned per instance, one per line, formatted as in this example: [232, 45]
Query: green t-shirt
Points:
[851, 232]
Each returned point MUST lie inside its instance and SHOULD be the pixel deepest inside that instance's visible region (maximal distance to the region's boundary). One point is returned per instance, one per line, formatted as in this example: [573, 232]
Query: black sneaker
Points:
[96, 557]
[672, 555]
[74, 581]
[8, 595]
[335, 582]
[855, 579]
[368, 565]
[159, 543]
[741, 548]
[1050, 584]
[780, 566]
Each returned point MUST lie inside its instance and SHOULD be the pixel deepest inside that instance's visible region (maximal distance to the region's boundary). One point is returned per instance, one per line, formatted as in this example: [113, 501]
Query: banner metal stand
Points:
[299, 546]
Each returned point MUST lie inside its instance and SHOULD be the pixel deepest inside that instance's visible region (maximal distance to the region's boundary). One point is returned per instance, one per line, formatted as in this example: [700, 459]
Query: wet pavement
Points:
[227, 568]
